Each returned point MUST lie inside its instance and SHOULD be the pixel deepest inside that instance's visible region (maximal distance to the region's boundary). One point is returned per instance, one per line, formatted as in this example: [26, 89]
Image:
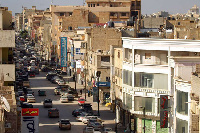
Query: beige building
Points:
[8, 119]
[18, 21]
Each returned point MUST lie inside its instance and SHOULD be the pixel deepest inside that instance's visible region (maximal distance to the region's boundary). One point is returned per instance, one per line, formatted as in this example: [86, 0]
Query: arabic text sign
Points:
[63, 50]
[30, 120]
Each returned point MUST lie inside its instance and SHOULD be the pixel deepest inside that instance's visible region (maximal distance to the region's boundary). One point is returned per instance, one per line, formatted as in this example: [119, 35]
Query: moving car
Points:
[53, 112]
[96, 125]
[64, 99]
[47, 103]
[26, 105]
[64, 124]
[42, 93]
[32, 74]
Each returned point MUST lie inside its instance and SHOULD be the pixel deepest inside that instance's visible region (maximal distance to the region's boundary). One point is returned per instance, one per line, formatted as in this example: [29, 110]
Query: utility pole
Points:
[75, 69]
[98, 75]
[86, 68]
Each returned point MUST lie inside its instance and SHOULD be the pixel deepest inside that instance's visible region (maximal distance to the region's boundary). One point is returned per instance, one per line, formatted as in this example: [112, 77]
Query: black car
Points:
[26, 105]
[77, 112]
[55, 79]
[87, 107]
[49, 76]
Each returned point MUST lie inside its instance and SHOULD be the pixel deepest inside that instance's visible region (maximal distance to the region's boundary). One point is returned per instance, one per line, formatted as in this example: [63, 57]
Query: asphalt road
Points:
[50, 125]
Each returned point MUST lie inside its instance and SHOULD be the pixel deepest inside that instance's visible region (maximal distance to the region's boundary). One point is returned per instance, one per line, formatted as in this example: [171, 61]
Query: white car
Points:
[64, 99]
[30, 99]
[86, 119]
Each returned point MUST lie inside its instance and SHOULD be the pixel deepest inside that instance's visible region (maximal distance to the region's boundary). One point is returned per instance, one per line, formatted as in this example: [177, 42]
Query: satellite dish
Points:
[5, 104]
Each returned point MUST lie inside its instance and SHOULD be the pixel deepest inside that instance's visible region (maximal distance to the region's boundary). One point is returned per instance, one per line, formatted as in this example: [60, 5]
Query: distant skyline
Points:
[148, 6]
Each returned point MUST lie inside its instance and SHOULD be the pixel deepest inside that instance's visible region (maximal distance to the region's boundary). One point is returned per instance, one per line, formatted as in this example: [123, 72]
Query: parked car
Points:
[82, 116]
[32, 74]
[26, 105]
[22, 98]
[57, 91]
[61, 82]
[55, 79]
[108, 130]
[88, 130]
[64, 87]
[87, 107]
[81, 101]
[30, 99]
[77, 112]
[96, 125]
[90, 121]
[47, 103]
[64, 124]
[53, 112]
[70, 97]
[49, 76]
[64, 99]
[87, 118]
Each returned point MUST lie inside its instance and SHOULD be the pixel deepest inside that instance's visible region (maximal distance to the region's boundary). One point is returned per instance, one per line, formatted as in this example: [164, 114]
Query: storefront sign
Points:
[103, 84]
[163, 111]
[63, 50]
[30, 120]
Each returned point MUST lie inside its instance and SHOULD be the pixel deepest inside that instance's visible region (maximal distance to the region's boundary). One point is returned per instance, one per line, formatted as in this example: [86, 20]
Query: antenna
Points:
[5, 103]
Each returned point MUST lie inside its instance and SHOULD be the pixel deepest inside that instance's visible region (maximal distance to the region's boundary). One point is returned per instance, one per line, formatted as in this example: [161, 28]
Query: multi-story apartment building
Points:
[7, 70]
[71, 17]
[18, 21]
[116, 62]
[155, 67]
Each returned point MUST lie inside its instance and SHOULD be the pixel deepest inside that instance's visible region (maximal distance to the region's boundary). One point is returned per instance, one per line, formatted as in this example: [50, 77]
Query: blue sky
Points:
[148, 6]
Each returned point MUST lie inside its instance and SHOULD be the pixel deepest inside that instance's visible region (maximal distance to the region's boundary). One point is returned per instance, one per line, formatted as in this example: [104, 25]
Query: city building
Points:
[8, 118]
[155, 67]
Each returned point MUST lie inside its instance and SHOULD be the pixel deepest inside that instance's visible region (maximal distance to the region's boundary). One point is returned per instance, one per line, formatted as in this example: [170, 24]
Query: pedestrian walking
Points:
[81, 91]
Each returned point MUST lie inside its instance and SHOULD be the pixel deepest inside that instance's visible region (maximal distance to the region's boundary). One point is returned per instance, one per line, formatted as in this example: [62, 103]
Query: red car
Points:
[31, 74]
[22, 98]
[81, 101]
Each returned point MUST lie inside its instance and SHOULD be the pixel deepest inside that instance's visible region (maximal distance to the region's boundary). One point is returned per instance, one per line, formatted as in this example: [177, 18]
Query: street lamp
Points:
[143, 115]
[98, 75]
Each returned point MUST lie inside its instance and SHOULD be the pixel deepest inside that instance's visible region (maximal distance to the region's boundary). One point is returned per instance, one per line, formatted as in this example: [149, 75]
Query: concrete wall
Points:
[7, 38]
[153, 22]
[102, 38]
[9, 71]
[7, 20]
[79, 18]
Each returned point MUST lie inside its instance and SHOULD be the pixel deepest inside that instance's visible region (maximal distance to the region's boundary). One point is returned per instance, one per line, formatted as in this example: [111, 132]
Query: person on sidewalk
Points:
[81, 91]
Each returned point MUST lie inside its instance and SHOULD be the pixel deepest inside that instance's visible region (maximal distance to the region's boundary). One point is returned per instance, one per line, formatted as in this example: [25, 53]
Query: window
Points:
[62, 14]
[112, 14]
[118, 55]
[182, 105]
[179, 23]
[147, 102]
[108, 79]
[110, 5]
[127, 77]
[88, 5]
[93, 16]
[93, 5]
[70, 13]
[97, 4]
[147, 55]
[123, 14]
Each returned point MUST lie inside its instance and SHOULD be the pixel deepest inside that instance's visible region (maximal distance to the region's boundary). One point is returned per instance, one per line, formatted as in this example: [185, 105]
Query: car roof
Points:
[53, 109]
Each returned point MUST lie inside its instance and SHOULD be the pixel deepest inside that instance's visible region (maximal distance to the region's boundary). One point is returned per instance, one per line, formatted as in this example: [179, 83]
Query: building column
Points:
[139, 125]
[153, 126]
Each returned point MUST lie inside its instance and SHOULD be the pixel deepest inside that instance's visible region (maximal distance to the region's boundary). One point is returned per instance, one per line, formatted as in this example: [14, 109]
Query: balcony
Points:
[8, 71]
[7, 38]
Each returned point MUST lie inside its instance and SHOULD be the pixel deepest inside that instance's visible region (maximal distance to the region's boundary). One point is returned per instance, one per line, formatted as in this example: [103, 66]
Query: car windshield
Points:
[48, 101]
[82, 100]
[65, 122]
[64, 97]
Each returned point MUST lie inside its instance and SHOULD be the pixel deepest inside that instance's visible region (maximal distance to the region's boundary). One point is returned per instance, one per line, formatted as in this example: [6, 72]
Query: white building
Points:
[154, 67]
